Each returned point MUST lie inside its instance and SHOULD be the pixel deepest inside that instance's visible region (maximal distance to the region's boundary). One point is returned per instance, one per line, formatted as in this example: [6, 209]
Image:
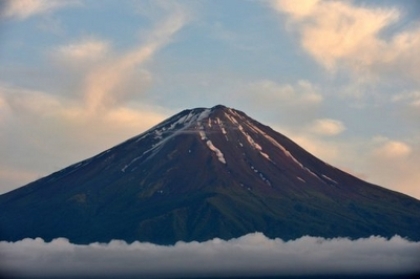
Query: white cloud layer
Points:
[250, 255]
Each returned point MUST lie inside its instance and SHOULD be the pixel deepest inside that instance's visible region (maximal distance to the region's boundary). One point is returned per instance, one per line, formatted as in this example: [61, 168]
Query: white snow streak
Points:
[132, 161]
[250, 139]
[330, 179]
[252, 142]
[221, 126]
[281, 147]
[205, 113]
[164, 133]
[213, 148]
[263, 178]
[202, 135]
[265, 155]
[299, 178]
[232, 119]
[219, 154]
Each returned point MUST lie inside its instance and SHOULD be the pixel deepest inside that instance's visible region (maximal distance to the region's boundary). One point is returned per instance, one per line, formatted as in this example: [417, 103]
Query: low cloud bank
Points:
[250, 255]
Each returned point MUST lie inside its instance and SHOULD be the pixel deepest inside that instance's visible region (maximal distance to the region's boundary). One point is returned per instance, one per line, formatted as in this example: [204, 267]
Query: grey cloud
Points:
[250, 255]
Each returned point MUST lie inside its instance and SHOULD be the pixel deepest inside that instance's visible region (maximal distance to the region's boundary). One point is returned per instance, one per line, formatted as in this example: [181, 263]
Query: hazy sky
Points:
[252, 254]
[341, 78]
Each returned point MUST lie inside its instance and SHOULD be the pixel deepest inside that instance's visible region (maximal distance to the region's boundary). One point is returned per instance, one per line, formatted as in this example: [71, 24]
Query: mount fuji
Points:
[204, 173]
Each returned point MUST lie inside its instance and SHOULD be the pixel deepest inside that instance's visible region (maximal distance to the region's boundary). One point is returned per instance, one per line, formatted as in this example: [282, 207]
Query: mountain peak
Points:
[219, 107]
[207, 112]
[196, 119]
[200, 174]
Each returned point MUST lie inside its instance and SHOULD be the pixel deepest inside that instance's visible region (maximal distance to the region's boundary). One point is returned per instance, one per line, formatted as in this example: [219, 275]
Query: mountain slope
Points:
[200, 174]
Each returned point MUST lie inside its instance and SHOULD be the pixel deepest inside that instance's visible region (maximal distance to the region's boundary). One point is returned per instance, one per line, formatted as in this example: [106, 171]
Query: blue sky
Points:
[341, 78]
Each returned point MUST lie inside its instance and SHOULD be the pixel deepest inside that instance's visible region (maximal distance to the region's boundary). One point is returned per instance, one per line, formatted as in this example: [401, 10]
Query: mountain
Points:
[204, 173]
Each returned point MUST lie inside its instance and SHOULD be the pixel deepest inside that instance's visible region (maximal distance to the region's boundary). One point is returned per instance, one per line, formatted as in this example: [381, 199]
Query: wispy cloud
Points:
[303, 93]
[250, 255]
[366, 45]
[327, 127]
[83, 51]
[388, 162]
[390, 149]
[102, 81]
[340, 35]
[104, 99]
[394, 163]
[410, 98]
[23, 9]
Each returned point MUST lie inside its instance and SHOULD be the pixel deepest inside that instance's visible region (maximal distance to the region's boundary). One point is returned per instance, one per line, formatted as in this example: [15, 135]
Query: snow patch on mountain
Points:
[193, 122]
[213, 148]
[250, 139]
[263, 178]
[265, 155]
[163, 133]
[232, 119]
[219, 153]
[204, 114]
[222, 128]
[158, 134]
[252, 142]
[282, 148]
[300, 179]
[131, 162]
[202, 135]
[329, 179]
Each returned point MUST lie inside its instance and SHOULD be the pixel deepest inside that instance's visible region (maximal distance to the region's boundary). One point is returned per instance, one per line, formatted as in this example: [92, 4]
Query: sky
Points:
[339, 77]
[250, 255]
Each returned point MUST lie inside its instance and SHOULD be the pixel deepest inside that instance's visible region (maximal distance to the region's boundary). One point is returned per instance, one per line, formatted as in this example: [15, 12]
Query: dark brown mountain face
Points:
[201, 174]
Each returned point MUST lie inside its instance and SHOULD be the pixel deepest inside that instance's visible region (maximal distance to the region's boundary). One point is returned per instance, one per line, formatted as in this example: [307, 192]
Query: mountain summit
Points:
[204, 173]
